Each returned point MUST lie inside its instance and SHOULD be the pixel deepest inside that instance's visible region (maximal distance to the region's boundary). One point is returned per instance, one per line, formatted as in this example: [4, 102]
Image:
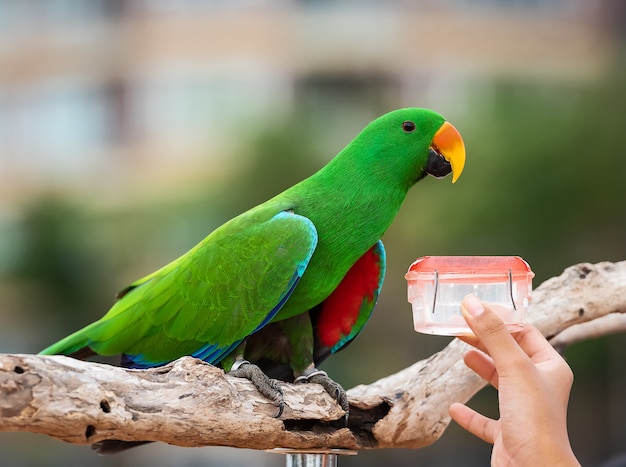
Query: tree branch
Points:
[189, 403]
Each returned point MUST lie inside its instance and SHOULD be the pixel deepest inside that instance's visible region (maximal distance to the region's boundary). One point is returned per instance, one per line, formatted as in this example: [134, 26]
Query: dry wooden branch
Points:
[189, 403]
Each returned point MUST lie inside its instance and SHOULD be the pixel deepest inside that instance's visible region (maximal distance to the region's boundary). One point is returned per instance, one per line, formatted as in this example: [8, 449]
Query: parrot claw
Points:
[264, 384]
[333, 388]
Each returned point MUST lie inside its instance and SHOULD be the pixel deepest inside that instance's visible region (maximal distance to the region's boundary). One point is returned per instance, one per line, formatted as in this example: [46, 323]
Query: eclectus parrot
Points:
[278, 288]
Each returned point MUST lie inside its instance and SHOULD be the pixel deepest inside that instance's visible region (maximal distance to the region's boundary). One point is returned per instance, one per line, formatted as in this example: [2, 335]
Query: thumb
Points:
[490, 330]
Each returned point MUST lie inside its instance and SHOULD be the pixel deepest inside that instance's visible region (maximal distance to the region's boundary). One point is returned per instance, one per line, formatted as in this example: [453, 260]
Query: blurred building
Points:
[92, 91]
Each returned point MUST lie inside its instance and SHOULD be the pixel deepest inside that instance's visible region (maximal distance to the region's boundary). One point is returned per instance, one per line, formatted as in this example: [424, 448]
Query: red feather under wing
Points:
[340, 311]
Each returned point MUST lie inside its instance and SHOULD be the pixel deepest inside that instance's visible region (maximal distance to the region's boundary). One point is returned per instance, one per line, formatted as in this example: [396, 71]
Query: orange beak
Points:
[449, 144]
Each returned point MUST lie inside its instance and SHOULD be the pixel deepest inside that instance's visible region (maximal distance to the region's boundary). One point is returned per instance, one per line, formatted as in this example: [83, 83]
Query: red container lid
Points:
[481, 268]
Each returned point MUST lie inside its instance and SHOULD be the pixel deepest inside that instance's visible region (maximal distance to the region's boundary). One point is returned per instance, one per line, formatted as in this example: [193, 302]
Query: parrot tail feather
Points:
[74, 344]
[213, 354]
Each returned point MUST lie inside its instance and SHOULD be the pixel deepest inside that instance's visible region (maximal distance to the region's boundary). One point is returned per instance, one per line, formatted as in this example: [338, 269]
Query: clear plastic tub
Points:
[438, 284]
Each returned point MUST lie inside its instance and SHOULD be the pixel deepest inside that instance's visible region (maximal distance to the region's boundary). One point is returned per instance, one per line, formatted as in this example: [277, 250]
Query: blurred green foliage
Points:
[545, 179]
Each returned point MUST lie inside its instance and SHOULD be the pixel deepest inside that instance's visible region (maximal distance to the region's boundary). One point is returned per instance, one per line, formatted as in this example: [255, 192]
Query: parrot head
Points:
[417, 141]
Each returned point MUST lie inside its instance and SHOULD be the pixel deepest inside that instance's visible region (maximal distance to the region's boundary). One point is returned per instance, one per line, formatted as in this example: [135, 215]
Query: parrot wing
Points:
[207, 301]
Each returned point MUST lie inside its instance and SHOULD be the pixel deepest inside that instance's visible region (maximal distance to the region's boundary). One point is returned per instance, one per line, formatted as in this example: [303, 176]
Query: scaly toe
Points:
[267, 386]
[331, 387]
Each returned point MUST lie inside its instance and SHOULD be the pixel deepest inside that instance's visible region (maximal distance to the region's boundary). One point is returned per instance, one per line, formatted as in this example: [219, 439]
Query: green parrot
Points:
[277, 289]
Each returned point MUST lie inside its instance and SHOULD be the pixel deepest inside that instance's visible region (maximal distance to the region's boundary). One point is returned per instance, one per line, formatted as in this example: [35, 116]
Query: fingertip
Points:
[456, 411]
[473, 354]
[454, 406]
[475, 423]
[472, 305]
[470, 339]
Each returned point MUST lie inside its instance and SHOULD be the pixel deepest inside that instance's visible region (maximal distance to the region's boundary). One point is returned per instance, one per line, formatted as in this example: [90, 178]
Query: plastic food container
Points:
[438, 284]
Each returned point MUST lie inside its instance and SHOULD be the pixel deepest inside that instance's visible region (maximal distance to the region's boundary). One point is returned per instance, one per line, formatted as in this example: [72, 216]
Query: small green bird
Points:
[290, 281]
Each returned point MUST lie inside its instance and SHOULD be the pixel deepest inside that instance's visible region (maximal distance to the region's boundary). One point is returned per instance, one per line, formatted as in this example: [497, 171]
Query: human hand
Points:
[533, 383]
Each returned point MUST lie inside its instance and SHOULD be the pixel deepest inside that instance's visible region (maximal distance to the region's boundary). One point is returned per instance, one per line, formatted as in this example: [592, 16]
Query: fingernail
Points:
[472, 305]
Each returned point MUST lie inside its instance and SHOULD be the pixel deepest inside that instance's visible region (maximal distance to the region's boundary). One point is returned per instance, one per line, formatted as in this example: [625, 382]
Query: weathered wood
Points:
[189, 403]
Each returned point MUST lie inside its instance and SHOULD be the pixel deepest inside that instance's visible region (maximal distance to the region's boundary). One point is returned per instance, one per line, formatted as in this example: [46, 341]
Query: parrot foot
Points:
[313, 375]
[264, 384]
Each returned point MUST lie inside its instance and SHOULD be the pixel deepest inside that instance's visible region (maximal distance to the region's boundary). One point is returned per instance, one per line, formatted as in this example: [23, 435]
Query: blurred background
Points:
[130, 129]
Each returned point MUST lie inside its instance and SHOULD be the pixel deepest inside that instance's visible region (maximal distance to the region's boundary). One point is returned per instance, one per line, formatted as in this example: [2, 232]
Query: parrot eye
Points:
[408, 126]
